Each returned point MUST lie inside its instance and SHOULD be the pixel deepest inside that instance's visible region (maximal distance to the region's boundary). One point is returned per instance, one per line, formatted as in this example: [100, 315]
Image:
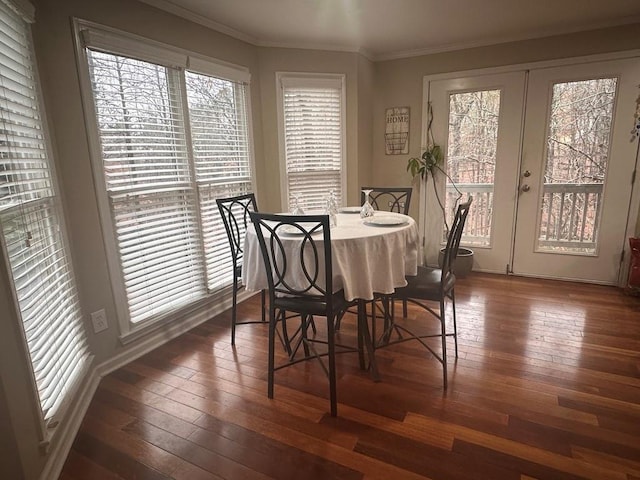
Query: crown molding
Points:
[187, 14]
[194, 17]
[505, 39]
[318, 46]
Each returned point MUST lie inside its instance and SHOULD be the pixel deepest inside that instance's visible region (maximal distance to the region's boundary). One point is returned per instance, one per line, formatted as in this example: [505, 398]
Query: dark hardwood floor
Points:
[547, 386]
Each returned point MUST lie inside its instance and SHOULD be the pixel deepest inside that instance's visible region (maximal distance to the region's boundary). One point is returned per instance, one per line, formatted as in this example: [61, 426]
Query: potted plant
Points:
[428, 166]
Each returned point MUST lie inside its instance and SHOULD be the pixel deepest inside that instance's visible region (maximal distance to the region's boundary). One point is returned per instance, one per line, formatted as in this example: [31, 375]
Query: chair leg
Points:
[285, 334]
[362, 317]
[373, 325]
[443, 331]
[233, 311]
[303, 332]
[339, 319]
[332, 366]
[404, 309]
[272, 335]
[389, 312]
[455, 326]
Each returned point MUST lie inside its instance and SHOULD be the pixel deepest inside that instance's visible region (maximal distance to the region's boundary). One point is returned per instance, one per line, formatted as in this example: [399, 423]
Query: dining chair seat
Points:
[428, 284]
[318, 308]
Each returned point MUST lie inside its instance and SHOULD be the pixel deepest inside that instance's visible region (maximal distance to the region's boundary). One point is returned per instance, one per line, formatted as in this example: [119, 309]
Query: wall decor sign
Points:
[396, 133]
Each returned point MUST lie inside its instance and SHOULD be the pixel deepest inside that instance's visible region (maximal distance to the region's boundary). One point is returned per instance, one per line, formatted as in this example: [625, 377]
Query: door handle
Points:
[525, 188]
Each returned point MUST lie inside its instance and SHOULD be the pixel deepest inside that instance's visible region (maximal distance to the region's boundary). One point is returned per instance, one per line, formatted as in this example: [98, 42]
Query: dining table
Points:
[370, 257]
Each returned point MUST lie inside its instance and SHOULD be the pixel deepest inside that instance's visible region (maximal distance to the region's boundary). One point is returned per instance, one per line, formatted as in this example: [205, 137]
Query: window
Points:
[173, 136]
[33, 229]
[312, 138]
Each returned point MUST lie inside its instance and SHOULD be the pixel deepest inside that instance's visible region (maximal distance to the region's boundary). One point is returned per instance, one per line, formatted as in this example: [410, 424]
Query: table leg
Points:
[365, 336]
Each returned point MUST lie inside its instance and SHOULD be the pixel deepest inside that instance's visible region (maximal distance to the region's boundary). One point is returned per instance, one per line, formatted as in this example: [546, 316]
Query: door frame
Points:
[633, 209]
[494, 256]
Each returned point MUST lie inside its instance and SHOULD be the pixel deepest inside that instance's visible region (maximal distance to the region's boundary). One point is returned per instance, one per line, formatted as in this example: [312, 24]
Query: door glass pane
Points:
[578, 141]
[471, 159]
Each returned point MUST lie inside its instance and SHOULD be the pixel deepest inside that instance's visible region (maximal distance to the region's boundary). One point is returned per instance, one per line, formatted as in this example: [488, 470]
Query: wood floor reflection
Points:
[546, 386]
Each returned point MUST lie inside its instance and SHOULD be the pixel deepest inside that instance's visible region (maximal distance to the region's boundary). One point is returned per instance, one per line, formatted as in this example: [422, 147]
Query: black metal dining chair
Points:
[235, 216]
[433, 285]
[296, 250]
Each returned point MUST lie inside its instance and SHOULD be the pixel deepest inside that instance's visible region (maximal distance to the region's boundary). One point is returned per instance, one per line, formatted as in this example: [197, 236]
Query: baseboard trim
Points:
[62, 445]
[163, 335]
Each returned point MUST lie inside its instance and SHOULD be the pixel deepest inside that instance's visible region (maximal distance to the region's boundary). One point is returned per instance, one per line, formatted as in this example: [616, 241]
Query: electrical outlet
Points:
[99, 320]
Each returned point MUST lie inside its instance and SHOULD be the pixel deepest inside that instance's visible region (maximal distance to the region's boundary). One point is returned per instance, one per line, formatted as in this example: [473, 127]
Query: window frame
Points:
[298, 79]
[113, 41]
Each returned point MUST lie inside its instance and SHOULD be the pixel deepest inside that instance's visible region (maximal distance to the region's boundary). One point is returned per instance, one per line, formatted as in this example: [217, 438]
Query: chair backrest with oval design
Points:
[235, 216]
[389, 199]
[296, 250]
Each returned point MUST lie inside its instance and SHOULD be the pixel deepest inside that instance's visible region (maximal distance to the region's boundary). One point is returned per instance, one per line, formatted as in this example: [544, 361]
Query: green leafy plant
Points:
[429, 164]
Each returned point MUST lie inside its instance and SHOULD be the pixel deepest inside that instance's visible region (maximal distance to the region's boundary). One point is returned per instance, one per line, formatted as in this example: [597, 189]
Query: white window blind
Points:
[172, 141]
[313, 140]
[31, 226]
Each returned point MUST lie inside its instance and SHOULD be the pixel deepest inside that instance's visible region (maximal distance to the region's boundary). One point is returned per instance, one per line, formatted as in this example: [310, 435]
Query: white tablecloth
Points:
[365, 258]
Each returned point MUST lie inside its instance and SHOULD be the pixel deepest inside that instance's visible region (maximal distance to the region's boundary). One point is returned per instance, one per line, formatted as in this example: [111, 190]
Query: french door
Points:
[576, 172]
[547, 156]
